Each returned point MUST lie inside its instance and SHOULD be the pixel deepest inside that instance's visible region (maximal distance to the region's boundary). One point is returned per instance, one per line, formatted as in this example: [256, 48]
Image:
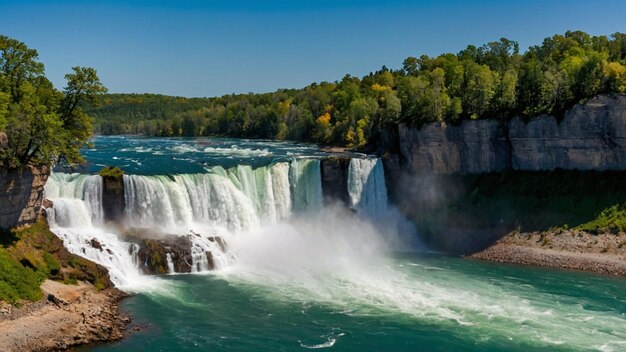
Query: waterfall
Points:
[77, 207]
[306, 184]
[236, 199]
[170, 263]
[366, 186]
[69, 188]
[221, 203]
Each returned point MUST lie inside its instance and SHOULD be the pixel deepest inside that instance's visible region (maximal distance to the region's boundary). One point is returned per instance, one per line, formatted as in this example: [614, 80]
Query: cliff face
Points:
[113, 202]
[472, 147]
[335, 179]
[21, 194]
[591, 136]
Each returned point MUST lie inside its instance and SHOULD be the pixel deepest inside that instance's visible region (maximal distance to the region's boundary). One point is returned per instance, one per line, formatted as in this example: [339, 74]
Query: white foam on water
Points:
[290, 248]
[236, 151]
[341, 262]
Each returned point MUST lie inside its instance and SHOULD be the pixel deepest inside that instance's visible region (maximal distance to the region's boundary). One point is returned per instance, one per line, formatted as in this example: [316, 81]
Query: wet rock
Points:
[113, 201]
[95, 244]
[335, 179]
[153, 255]
[47, 203]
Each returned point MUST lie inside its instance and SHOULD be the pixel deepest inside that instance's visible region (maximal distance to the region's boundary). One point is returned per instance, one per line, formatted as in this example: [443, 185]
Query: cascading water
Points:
[368, 196]
[77, 208]
[69, 188]
[306, 184]
[220, 203]
[235, 199]
[170, 263]
[329, 271]
[366, 186]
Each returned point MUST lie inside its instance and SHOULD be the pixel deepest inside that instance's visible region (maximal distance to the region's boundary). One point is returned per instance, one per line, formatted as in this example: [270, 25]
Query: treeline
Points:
[39, 124]
[491, 81]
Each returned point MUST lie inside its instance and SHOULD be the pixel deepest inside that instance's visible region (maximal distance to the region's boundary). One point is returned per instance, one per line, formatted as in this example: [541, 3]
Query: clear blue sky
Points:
[209, 48]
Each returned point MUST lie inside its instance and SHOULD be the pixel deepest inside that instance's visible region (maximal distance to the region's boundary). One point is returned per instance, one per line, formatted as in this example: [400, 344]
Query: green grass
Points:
[17, 282]
[36, 254]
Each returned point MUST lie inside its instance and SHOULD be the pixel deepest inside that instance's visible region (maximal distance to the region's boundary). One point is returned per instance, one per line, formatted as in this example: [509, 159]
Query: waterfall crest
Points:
[221, 203]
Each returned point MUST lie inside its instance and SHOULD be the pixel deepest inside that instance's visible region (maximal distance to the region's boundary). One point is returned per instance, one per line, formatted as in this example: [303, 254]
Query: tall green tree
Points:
[43, 126]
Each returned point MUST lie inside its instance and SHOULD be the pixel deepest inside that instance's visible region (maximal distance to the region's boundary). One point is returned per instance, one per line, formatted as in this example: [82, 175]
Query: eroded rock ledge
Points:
[21, 193]
[591, 136]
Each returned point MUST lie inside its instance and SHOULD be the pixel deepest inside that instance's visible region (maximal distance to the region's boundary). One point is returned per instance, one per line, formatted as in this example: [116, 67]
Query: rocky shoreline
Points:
[565, 249]
[68, 316]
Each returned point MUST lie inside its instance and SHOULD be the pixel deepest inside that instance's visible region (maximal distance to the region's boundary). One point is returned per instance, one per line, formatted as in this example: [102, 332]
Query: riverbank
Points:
[69, 315]
[567, 249]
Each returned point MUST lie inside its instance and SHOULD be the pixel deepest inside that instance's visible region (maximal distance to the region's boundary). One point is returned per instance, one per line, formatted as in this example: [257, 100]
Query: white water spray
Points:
[366, 186]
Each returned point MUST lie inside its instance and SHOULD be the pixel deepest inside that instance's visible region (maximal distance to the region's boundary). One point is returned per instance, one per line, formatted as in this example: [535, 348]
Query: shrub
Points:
[111, 172]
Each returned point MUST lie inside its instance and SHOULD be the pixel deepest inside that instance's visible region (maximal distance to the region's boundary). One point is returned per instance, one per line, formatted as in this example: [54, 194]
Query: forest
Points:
[493, 81]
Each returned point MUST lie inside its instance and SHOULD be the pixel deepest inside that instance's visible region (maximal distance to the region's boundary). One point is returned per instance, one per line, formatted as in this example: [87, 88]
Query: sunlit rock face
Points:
[21, 194]
[591, 136]
[472, 147]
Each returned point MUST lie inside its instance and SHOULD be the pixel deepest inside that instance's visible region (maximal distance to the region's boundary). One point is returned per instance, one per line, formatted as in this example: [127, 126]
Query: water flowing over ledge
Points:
[220, 204]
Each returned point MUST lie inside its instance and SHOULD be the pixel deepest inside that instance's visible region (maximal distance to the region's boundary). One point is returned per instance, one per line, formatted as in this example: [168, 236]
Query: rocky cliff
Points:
[21, 193]
[591, 136]
[113, 202]
[472, 147]
[335, 179]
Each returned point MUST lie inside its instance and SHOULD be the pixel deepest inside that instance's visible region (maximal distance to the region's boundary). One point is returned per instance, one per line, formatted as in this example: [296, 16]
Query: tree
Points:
[43, 126]
[83, 87]
[479, 88]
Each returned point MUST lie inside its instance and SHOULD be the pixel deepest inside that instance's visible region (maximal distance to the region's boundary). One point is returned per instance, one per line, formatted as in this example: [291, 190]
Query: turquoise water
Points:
[313, 277]
[160, 156]
[440, 304]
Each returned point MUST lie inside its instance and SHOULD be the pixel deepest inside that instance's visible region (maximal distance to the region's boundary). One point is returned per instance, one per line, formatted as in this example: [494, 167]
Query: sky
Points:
[208, 48]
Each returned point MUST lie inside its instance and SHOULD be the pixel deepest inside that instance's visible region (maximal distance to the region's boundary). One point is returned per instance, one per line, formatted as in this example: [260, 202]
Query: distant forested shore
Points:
[492, 81]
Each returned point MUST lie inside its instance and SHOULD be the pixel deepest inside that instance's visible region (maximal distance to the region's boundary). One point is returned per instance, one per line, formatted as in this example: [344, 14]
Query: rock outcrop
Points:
[473, 147]
[335, 179]
[70, 315]
[591, 136]
[113, 202]
[153, 255]
[21, 195]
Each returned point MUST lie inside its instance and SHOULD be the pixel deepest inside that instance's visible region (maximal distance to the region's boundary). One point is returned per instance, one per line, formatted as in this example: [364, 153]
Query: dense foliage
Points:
[39, 124]
[490, 81]
[18, 282]
[612, 219]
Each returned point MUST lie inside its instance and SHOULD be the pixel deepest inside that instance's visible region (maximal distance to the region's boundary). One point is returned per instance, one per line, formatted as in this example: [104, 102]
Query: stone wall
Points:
[591, 136]
[21, 194]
